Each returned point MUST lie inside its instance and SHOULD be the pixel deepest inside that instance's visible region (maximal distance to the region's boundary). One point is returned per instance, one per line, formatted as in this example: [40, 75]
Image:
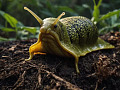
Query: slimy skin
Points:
[68, 37]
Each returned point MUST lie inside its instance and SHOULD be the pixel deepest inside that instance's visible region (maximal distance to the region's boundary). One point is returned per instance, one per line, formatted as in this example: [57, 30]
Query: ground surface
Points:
[98, 70]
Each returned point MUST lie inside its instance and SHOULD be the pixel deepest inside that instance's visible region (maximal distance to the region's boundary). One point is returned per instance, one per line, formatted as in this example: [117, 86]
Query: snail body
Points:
[69, 37]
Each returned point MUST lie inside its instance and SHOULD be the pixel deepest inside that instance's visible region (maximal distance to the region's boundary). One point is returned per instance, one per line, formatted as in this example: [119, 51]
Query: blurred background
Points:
[18, 24]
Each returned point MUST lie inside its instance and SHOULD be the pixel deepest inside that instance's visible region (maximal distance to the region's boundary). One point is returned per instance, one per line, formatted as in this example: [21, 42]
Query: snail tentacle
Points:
[38, 18]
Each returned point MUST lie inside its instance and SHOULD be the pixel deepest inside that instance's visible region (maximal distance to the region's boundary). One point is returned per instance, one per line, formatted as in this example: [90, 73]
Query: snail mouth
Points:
[50, 42]
[48, 35]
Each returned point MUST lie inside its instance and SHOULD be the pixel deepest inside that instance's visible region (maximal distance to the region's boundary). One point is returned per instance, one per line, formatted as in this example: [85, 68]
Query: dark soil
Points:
[99, 70]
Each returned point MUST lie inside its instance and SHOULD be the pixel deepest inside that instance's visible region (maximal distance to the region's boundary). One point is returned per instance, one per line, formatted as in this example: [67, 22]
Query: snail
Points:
[68, 37]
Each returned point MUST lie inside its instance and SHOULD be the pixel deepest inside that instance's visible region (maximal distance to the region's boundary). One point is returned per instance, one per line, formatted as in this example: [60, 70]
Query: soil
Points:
[99, 70]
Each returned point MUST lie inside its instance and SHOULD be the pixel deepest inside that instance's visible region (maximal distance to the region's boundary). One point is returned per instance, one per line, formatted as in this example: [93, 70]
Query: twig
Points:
[96, 85]
[66, 83]
[17, 84]
[69, 85]
[91, 75]
[38, 84]
[39, 77]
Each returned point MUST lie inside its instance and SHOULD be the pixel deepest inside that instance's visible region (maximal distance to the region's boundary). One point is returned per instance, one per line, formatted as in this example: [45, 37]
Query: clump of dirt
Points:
[98, 70]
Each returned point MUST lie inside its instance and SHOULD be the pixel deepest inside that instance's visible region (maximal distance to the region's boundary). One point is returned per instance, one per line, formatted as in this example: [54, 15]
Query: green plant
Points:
[15, 26]
[108, 21]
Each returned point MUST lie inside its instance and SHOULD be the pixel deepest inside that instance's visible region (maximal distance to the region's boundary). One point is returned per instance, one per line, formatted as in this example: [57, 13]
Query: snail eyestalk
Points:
[58, 18]
[37, 18]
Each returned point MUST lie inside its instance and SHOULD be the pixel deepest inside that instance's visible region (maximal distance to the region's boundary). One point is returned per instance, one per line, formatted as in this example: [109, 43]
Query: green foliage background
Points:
[16, 23]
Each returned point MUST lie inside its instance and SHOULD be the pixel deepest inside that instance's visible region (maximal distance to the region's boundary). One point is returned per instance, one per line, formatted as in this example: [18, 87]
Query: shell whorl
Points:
[80, 30]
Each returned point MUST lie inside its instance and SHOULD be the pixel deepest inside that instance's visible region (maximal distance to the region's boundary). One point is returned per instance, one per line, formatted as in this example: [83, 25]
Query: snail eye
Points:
[55, 26]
